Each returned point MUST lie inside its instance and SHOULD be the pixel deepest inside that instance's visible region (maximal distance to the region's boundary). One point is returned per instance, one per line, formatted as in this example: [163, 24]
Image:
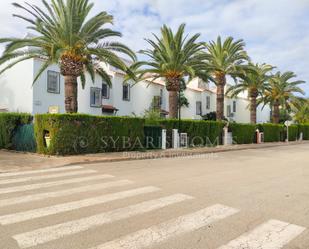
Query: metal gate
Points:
[153, 137]
[24, 139]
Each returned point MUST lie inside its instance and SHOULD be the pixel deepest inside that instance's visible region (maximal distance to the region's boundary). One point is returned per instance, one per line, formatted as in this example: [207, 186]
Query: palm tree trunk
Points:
[221, 81]
[70, 85]
[253, 106]
[172, 86]
[276, 113]
[173, 104]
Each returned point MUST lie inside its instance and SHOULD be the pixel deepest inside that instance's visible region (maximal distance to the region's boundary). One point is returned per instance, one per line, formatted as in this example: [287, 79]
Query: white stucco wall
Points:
[16, 87]
[189, 112]
[17, 94]
[42, 99]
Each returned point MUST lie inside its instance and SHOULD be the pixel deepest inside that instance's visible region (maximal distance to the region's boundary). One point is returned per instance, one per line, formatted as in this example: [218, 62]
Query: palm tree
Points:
[302, 114]
[173, 57]
[66, 35]
[280, 92]
[253, 81]
[224, 58]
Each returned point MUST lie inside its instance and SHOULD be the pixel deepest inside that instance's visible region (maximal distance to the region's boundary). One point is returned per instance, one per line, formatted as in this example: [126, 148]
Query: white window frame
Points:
[51, 73]
[97, 94]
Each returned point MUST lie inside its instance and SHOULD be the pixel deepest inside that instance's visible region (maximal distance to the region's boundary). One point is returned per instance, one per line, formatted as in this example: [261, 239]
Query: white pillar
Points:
[175, 139]
[163, 140]
[301, 136]
[225, 135]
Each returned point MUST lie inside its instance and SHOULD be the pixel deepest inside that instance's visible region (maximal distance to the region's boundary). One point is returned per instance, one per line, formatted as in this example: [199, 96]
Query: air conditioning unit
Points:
[183, 140]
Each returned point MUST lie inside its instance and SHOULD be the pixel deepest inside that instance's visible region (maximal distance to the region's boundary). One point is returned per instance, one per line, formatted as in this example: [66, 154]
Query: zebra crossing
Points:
[272, 234]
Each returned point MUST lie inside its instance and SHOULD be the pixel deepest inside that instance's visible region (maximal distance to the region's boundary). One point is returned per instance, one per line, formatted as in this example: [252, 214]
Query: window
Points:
[156, 103]
[208, 102]
[95, 97]
[53, 82]
[198, 108]
[228, 111]
[161, 97]
[234, 106]
[126, 92]
[105, 91]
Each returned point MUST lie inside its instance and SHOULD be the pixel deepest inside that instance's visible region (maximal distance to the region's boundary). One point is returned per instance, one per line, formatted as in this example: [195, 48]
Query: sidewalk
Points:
[13, 161]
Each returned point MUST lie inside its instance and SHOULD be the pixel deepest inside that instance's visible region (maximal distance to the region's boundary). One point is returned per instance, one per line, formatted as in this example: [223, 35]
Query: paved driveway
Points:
[254, 199]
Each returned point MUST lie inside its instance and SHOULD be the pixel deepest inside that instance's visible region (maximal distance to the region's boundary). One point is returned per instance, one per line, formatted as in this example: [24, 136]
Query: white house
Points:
[17, 94]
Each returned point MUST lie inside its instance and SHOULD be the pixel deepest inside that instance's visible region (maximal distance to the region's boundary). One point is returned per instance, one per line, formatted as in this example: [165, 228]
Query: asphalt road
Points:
[254, 199]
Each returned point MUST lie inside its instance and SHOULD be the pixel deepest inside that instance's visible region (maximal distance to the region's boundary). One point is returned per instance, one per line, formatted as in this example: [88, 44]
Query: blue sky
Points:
[275, 31]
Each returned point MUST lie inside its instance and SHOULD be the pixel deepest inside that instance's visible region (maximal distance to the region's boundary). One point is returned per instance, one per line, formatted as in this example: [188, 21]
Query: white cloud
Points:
[276, 32]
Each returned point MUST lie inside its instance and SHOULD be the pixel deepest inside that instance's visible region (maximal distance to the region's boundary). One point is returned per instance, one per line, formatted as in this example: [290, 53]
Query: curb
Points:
[176, 153]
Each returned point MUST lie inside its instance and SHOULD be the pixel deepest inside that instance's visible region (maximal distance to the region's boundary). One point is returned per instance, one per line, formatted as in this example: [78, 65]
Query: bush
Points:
[293, 133]
[81, 134]
[200, 133]
[272, 132]
[243, 133]
[304, 128]
[9, 122]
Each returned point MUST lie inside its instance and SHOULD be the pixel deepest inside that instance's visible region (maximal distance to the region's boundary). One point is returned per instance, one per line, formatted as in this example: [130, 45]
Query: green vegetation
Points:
[272, 132]
[200, 133]
[173, 56]
[280, 93]
[253, 81]
[293, 132]
[9, 123]
[224, 58]
[81, 134]
[243, 133]
[65, 34]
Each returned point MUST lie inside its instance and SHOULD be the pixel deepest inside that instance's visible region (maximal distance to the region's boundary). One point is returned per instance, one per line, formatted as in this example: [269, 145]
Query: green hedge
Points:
[81, 134]
[304, 128]
[272, 132]
[243, 133]
[200, 133]
[293, 132]
[9, 122]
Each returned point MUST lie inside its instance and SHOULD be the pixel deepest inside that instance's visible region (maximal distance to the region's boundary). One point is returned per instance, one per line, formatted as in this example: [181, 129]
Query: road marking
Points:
[164, 231]
[59, 175]
[43, 235]
[52, 184]
[273, 234]
[70, 206]
[29, 172]
[61, 193]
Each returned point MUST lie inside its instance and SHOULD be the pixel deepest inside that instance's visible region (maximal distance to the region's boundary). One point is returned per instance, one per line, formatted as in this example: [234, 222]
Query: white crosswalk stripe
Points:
[46, 234]
[30, 172]
[52, 184]
[159, 233]
[35, 178]
[70, 206]
[273, 234]
[61, 193]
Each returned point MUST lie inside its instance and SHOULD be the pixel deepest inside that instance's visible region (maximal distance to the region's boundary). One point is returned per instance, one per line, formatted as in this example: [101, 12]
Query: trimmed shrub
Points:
[243, 133]
[81, 134]
[272, 132]
[304, 128]
[9, 122]
[293, 132]
[200, 133]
